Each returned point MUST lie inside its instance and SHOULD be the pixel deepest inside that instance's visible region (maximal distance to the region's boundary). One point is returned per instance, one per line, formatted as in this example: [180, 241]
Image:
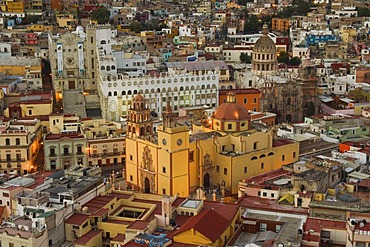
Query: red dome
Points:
[231, 111]
[138, 97]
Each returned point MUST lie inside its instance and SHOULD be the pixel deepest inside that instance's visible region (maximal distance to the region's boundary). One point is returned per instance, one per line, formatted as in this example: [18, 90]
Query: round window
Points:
[164, 141]
[179, 142]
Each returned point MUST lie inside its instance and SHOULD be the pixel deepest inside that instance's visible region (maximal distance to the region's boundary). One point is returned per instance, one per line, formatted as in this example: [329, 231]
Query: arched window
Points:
[270, 154]
[103, 42]
[113, 67]
[7, 141]
[109, 93]
[254, 158]
[108, 68]
[129, 92]
[135, 91]
[115, 93]
[262, 156]
[17, 141]
[123, 92]
[102, 68]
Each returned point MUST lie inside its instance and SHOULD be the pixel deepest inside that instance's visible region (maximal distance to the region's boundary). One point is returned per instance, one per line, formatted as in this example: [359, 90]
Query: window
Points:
[164, 169]
[255, 100]
[217, 168]
[255, 145]
[163, 191]
[52, 151]
[262, 166]
[245, 169]
[293, 155]
[229, 126]
[75, 227]
[245, 100]
[283, 157]
[19, 157]
[17, 141]
[263, 227]
[130, 157]
[7, 141]
[85, 225]
[272, 195]
[79, 150]
[225, 171]
[29, 112]
[277, 228]
[264, 194]
[131, 178]
[191, 156]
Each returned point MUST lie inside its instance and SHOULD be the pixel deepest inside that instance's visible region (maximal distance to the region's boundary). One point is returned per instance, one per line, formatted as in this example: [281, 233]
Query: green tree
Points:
[244, 58]
[136, 27]
[252, 24]
[363, 12]
[295, 61]
[283, 57]
[31, 19]
[101, 15]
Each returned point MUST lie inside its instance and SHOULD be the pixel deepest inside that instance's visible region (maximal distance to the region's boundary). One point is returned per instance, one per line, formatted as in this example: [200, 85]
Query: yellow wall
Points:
[79, 232]
[112, 228]
[17, 69]
[15, 7]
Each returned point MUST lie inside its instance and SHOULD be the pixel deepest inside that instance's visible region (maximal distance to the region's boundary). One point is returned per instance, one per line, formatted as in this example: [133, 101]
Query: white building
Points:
[133, 64]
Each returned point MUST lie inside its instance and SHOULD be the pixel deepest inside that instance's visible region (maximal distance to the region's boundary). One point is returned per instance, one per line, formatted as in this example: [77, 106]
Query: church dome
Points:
[138, 97]
[231, 110]
[265, 43]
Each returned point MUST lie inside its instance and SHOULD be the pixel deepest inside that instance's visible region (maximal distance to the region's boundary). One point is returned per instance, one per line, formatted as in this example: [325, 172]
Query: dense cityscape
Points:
[155, 123]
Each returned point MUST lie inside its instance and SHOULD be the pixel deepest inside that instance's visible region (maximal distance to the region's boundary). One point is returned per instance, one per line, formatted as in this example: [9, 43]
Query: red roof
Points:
[208, 223]
[317, 224]
[77, 219]
[139, 225]
[365, 183]
[88, 236]
[119, 238]
[281, 142]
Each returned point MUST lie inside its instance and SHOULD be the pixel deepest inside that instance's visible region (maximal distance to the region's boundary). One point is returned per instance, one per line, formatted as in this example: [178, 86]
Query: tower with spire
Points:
[139, 123]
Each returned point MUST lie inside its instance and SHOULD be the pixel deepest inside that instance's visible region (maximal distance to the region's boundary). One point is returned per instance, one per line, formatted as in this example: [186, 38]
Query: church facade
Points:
[177, 161]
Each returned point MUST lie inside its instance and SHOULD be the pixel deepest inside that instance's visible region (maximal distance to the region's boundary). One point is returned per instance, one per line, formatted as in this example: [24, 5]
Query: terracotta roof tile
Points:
[208, 222]
[88, 236]
[77, 219]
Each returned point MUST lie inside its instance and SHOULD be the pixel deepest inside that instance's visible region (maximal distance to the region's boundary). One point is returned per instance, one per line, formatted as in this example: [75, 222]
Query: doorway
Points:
[147, 186]
[206, 180]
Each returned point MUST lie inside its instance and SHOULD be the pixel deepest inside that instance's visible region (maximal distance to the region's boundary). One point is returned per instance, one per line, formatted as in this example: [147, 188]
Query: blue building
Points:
[315, 39]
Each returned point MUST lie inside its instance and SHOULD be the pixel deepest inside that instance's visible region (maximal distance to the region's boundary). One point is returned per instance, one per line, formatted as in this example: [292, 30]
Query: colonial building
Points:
[73, 59]
[177, 161]
[20, 143]
[294, 99]
[105, 142]
[64, 150]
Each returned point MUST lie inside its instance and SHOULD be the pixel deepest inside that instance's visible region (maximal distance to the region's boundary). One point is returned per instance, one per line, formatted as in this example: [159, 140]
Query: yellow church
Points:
[177, 161]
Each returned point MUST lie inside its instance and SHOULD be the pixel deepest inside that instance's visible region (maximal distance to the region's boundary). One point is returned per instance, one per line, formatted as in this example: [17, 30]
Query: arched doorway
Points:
[147, 186]
[206, 182]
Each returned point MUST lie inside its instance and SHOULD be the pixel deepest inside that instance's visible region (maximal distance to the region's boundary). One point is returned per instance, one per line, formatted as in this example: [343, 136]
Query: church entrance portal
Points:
[206, 182]
[147, 185]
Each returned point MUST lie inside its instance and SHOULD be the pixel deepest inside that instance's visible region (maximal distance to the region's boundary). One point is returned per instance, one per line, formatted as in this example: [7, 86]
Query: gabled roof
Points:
[209, 223]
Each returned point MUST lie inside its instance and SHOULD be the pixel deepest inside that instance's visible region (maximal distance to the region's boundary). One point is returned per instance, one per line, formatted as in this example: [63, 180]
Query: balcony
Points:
[66, 154]
[96, 155]
[80, 153]
[11, 160]
[52, 155]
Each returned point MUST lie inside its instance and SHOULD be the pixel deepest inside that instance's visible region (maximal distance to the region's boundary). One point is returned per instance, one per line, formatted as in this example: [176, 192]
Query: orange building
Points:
[363, 74]
[248, 97]
[281, 25]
